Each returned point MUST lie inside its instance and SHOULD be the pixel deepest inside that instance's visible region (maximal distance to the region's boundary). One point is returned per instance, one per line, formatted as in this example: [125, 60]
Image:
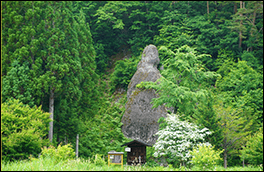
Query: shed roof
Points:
[115, 153]
[136, 141]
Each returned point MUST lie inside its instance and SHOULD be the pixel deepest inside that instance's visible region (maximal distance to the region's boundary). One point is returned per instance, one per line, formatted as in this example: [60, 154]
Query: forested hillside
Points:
[75, 59]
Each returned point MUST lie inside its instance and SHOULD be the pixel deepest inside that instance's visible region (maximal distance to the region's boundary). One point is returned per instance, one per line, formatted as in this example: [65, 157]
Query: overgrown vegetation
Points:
[60, 153]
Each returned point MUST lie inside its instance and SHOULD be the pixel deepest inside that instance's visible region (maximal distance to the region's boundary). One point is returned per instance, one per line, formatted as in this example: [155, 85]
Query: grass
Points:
[50, 164]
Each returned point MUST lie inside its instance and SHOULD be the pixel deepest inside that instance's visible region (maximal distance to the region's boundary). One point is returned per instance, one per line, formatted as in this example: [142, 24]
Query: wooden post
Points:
[77, 146]
[108, 160]
[122, 160]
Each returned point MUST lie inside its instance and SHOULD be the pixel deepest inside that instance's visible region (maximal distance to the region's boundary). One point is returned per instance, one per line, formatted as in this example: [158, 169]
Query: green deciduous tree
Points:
[207, 117]
[242, 86]
[234, 128]
[175, 88]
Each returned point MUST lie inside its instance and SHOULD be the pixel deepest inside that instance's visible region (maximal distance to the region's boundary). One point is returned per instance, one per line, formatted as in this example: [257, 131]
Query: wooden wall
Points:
[136, 152]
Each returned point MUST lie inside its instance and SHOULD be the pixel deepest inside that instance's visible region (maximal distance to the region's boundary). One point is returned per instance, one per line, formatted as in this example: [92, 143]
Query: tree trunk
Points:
[51, 100]
[240, 32]
[65, 140]
[225, 152]
[253, 25]
[235, 8]
[225, 159]
[32, 56]
[207, 7]
[240, 37]
[146, 6]
[77, 146]
[51, 111]
[188, 8]
[149, 27]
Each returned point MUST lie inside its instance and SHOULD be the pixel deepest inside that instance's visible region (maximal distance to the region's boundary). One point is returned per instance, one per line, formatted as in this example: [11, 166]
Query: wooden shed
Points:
[137, 153]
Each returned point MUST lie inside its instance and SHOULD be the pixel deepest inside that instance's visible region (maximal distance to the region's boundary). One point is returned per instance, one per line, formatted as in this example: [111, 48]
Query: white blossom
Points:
[179, 137]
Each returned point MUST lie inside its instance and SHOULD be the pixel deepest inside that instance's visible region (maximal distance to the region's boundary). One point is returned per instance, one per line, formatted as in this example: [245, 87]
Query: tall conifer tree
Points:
[50, 54]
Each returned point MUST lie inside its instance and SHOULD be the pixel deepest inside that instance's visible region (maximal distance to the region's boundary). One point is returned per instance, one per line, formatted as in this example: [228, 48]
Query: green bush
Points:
[98, 160]
[61, 153]
[151, 163]
[253, 150]
[205, 157]
[23, 130]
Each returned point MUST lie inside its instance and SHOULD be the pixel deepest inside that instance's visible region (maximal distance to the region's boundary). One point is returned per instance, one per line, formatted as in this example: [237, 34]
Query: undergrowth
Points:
[50, 163]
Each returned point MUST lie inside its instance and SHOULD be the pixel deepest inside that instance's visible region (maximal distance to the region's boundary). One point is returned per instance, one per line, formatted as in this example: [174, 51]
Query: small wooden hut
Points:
[137, 153]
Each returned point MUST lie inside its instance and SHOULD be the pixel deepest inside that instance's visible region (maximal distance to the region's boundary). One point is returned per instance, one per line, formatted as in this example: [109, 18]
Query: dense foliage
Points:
[23, 130]
[205, 157]
[124, 71]
[60, 56]
[49, 60]
[242, 87]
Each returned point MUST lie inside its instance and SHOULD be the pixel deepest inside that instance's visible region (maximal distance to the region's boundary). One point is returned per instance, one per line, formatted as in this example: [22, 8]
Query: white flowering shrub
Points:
[177, 138]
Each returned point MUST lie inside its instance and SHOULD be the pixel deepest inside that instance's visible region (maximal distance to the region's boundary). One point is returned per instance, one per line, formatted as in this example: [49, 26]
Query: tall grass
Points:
[50, 164]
